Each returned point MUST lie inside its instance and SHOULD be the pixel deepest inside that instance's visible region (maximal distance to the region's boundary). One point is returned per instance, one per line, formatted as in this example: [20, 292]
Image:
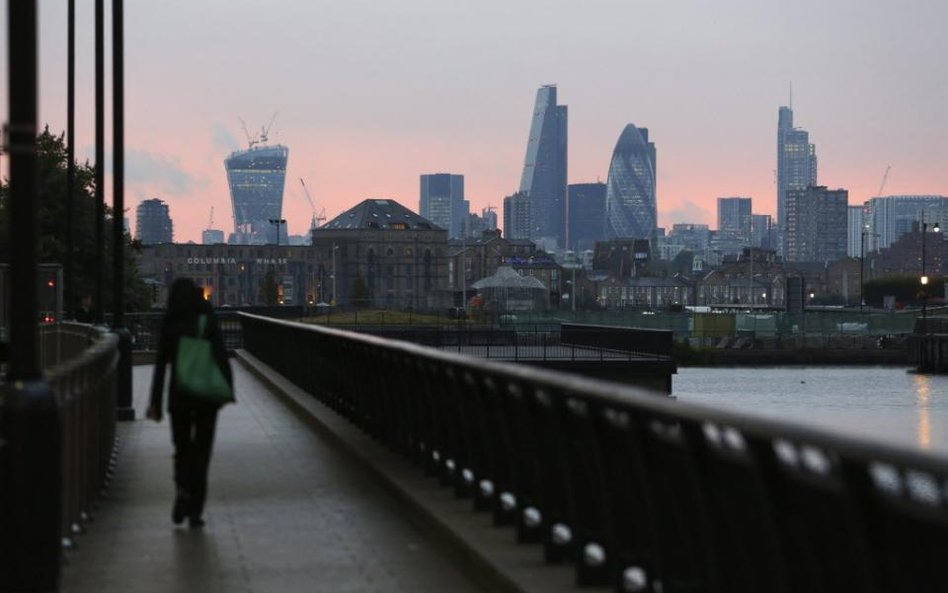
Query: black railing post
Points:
[68, 277]
[98, 306]
[32, 455]
[124, 387]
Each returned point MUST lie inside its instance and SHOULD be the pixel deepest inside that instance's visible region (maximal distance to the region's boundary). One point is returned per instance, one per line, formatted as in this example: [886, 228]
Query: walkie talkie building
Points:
[256, 178]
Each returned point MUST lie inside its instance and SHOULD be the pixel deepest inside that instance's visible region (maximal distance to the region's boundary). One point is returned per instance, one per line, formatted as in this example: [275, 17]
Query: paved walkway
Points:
[286, 512]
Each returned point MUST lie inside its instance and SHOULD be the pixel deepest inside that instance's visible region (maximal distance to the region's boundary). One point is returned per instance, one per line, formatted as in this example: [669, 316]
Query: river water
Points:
[880, 403]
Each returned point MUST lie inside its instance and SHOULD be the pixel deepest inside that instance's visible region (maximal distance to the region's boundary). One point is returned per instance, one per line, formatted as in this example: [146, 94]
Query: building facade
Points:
[889, 217]
[256, 178]
[442, 202]
[544, 170]
[817, 221]
[796, 168]
[631, 208]
[518, 217]
[762, 232]
[381, 254]
[586, 215]
[734, 216]
[153, 222]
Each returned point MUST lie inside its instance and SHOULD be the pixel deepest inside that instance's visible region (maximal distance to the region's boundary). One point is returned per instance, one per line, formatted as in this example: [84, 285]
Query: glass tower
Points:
[544, 170]
[256, 177]
[631, 209]
[442, 202]
[796, 167]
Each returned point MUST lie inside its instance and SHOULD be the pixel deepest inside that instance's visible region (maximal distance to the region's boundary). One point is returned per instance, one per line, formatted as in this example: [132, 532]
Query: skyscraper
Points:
[256, 177]
[518, 216]
[817, 220]
[587, 215]
[631, 208]
[796, 167]
[153, 224]
[442, 202]
[762, 231]
[544, 170]
[734, 217]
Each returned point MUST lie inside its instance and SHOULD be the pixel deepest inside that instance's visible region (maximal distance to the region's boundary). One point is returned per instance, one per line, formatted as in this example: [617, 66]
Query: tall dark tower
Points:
[796, 167]
[544, 170]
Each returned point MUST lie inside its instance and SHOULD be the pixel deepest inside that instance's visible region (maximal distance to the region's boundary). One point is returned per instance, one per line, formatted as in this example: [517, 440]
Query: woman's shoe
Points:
[195, 522]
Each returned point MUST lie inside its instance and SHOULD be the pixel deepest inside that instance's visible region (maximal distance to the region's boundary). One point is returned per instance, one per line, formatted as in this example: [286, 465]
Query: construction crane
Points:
[885, 177]
[317, 218]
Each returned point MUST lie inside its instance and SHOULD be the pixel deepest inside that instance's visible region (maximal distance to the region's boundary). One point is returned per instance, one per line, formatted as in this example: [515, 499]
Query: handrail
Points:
[635, 490]
[57, 445]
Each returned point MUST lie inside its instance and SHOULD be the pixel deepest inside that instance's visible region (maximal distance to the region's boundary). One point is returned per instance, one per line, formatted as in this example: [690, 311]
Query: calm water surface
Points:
[884, 403]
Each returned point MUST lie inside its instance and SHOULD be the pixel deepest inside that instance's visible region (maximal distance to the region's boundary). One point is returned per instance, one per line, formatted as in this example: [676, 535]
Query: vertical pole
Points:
[69, 280]
[124, 387]
[32, 473]
[99, 157]
[924, 281]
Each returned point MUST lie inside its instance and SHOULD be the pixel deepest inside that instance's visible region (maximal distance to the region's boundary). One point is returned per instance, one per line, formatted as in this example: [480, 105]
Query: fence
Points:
[57, 441]
[638, 492]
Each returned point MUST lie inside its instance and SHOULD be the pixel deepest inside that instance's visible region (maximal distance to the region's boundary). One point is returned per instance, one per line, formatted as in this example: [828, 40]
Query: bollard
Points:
[32, 497]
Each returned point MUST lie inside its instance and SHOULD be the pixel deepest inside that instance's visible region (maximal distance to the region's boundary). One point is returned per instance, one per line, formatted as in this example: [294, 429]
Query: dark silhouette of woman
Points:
[192, 421]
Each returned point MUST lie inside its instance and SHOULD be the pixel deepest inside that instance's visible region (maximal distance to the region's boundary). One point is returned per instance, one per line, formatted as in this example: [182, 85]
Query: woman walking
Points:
[192, 420]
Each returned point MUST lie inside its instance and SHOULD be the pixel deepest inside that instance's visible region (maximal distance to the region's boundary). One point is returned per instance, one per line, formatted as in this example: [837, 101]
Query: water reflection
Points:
[922, 395]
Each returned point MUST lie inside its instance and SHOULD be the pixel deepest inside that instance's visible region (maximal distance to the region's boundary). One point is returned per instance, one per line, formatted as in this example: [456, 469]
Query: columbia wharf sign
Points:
[233, 260]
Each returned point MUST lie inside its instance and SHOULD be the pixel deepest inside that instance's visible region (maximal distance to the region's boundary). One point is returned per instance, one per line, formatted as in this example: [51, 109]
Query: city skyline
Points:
[861, 73]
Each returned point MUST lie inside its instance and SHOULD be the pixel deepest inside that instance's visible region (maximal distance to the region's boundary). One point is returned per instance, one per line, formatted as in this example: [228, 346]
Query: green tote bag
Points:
[196, 371]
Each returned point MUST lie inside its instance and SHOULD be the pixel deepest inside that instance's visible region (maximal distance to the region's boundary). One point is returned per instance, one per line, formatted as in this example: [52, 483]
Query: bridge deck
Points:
[286, 512]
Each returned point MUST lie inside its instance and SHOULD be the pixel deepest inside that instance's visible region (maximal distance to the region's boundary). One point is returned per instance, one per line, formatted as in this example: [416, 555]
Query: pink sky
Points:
[370, 95]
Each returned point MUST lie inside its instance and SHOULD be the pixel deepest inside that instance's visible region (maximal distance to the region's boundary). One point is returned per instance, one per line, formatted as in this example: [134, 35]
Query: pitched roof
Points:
[380, 214]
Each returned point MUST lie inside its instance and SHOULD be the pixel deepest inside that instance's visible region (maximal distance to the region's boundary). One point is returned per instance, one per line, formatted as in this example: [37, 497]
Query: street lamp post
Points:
[924, 279]
[278, 222]
[333, 301]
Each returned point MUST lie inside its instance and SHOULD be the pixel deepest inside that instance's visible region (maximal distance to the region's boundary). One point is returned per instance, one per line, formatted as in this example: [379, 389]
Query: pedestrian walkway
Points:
[286, 512]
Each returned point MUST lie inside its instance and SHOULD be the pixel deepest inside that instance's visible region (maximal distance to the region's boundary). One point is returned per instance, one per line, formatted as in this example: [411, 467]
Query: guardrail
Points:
[56, 448]
[639, 492]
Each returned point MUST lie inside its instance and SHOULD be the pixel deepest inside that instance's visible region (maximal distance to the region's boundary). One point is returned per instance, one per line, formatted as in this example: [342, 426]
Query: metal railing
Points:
[57, 446]
[550, 342]
[639, 492]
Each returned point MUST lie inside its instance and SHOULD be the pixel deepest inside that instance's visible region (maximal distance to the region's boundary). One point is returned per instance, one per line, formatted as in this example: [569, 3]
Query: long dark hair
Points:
[183, 302]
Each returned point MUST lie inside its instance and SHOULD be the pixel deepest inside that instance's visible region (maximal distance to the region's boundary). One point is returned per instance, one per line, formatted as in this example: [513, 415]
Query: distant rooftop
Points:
[380, 214]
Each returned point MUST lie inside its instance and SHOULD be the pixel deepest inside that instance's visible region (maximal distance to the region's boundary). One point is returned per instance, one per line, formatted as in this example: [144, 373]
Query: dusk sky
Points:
[370, 94]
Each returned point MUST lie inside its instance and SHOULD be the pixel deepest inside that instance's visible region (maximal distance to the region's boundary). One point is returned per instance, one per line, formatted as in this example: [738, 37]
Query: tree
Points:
[53, 224]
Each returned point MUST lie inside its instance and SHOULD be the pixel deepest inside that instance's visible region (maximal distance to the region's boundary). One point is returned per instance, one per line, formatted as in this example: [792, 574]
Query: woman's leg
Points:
[205, 422]
[181, 422]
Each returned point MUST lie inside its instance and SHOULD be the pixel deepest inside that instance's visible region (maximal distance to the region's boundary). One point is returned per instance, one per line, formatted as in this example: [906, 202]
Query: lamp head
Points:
[924, 280]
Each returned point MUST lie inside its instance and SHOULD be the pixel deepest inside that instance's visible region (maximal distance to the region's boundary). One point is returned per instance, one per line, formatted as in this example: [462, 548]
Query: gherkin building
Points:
[631, 210]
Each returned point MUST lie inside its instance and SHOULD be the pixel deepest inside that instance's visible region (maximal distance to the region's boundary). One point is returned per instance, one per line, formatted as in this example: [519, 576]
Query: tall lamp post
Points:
[924, 280]
[862, 268]
[277, 222]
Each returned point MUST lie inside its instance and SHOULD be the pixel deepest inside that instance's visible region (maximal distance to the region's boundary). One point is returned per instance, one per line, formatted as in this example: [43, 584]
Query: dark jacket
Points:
[171, 331]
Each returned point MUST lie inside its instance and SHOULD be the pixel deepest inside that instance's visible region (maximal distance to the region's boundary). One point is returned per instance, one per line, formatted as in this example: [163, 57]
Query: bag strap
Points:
[202, 322]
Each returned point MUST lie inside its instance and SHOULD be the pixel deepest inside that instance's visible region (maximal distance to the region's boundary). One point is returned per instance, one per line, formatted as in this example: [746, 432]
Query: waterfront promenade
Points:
[288, 511]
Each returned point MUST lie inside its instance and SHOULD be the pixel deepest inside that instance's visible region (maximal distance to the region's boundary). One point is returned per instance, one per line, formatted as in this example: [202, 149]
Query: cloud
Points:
[689, 212]
[166, 174]
[223, 139]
